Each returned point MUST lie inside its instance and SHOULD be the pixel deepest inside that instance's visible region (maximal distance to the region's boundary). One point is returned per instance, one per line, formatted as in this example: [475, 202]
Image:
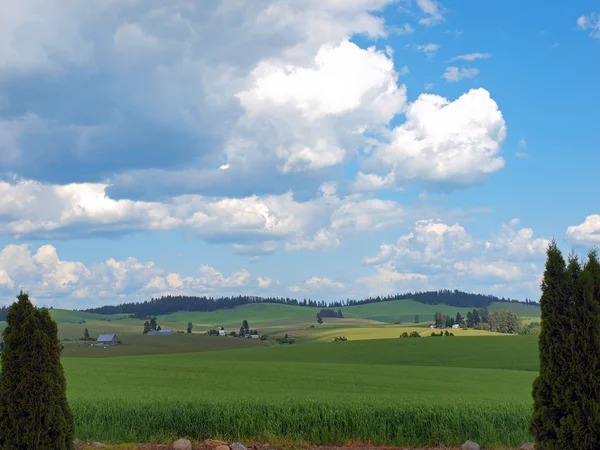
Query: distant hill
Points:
[173, 304]
[403, 311]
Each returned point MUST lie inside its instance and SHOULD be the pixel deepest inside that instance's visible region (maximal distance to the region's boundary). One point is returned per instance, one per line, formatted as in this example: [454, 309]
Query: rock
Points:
[237, 446]
[212, 445]
[528, 446]
[76, 444]
[98, 445]
[182, 444]
[470, 445]
[222, 447]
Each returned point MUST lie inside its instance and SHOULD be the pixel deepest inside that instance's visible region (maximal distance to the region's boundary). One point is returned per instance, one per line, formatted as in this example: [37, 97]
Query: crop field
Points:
[420, 391]
[321, 334]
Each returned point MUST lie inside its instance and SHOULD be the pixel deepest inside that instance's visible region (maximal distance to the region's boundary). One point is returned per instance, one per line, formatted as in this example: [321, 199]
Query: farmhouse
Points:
[432, 326]
[222, 332]
[456, 325]
[159, 332]
[108, 339]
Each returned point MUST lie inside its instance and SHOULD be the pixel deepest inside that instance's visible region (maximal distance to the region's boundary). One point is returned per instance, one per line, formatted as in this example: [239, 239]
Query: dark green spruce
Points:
[34, 412]
[581, 429]
[549, 408]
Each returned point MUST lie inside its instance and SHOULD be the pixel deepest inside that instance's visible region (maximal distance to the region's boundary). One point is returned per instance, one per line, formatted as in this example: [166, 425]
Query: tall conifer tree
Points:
[34, 413]
[581, 429]
[548, 407]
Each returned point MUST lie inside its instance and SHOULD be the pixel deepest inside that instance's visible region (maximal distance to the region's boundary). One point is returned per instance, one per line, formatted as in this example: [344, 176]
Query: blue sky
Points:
[316, 148]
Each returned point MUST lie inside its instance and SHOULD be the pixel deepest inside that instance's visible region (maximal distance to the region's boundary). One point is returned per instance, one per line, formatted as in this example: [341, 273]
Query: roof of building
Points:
[106, 337]
[155, 332]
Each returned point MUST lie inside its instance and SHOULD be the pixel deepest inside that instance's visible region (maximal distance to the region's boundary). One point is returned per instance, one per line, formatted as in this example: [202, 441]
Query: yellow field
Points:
[379, 332]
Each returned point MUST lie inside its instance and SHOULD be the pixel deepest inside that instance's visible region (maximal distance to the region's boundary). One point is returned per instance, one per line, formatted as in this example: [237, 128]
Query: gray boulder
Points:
[470, 445]
[528, 446]
[237, 446]
[182, 444]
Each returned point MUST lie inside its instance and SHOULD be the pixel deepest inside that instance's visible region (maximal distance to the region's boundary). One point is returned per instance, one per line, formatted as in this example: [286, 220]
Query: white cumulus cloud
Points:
[450, 143]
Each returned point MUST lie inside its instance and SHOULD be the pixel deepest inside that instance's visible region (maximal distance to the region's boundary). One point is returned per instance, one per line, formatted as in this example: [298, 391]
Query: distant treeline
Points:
[170, 304]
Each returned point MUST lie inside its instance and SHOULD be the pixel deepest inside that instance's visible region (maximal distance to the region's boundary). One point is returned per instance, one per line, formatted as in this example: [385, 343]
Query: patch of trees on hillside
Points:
[170, 304]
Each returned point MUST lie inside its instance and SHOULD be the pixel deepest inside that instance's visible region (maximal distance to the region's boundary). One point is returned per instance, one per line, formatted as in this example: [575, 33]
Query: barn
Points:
[108, 339]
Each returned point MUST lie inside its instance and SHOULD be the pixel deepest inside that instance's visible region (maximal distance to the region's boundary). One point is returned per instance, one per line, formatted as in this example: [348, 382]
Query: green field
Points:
[405, 392]
[374, 388]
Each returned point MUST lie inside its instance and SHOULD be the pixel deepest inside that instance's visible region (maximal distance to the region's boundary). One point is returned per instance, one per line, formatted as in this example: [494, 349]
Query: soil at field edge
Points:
[263, 447]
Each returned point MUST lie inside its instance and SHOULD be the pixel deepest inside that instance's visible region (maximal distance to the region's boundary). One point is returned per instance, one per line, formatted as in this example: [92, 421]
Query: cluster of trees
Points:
[34, 412]
[170, 304]
[442, 333]
[331, 313]
[287, 339]
[566, 393]
[480, 318]
[504, 322]
[340, 338]
[445, 296]
[189, 327]
[245, 329]
[151, 325]
[413, 334]
[476, 317]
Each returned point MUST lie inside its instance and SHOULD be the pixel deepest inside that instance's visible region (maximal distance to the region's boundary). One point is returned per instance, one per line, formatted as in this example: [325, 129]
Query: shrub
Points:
[404, 335]
[34, 412]
[415, 334]
[264, 337]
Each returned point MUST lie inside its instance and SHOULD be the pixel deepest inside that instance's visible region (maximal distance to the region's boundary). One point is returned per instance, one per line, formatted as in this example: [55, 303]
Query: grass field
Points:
[140, 344]
[402, 391]
[374, 388]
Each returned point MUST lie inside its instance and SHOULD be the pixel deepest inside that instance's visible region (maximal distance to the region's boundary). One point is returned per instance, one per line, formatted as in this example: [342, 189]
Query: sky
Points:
[323, 149]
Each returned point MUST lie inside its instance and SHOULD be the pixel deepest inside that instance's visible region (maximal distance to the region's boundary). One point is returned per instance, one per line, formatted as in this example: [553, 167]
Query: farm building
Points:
[456, 325]
[432, 326]
[222, 332]
[160, 332]
[108, 339]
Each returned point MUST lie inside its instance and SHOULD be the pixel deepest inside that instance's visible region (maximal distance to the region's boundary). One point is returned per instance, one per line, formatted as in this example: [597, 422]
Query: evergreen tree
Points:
[581, 427]
[417, 318]
[86, 334]
[459, 318]
[34, 412]
[146, 327]
[476, 317]
[339, 314]
[470, 322]
[189, 327]
[153, 324]
[245, 327]
[548, 404]
[319, 319]
[158, 328]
